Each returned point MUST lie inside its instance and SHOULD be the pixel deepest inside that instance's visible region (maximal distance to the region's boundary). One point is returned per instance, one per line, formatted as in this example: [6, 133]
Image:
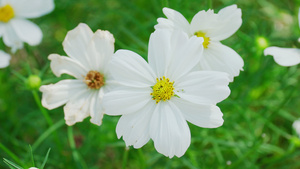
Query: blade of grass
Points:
[46, 158]
[31, 155]
[11, 164]
[11, 154]
[46, 134]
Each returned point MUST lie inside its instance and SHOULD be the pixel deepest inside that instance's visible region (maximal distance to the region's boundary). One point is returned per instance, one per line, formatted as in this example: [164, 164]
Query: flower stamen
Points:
[94, 80]
[206, 39]
[162, 90]
[6, 13]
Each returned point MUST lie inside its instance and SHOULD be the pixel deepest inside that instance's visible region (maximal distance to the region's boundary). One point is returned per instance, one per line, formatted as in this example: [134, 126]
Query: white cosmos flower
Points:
[157, 99]
[4, 59]
[213, 28]
[285, 56]
[32, 168]
[89, 54]
[14, 26]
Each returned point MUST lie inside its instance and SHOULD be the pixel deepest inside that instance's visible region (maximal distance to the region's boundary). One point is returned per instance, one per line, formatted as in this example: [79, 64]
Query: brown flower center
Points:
[94, 80]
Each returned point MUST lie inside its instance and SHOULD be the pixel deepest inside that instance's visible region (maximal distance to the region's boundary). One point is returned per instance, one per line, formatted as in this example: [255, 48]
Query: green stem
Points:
[76, 156]
[43, 110]
[125, 157]
[142, 158]
[209, 4]
[46, 134]
[47, 117]
[11, 154]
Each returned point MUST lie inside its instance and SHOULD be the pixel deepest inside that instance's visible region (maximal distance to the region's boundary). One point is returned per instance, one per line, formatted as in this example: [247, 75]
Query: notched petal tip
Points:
[53, 56]
[81, 29]
[167, 10]
[104, 34]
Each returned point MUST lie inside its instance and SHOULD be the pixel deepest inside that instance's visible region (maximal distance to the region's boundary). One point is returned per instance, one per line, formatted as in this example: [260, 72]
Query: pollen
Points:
[162, 90]
[6, 13]
[94, 80]
[206, 39]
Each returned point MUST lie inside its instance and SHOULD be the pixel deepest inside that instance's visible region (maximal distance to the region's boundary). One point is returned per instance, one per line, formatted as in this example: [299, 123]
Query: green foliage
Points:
[258, 115]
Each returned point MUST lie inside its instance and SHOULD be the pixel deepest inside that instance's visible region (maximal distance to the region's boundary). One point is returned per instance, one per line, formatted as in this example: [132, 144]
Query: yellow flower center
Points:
[206, 39]
[162, 90]
[6, 13]
[94, 80]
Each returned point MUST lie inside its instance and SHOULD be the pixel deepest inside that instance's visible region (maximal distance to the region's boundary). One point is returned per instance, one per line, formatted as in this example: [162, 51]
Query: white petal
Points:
[186, 53]
[96, 108]
[11, 39]
[32, 8]
[284, 56]
[126, 101]
[78, 108]
[164, 23]
[61, 64]
[296, 126]
[159, 51]
[100, 50]
[175, 20]
[2, 28]
[207, 116]
[27, 31]
[217, 26]
[203, 87]
[169, 130]
[55, 95]
[218, 57]
[204, 21]
[4, 59]
[131, 69]
[135, 127]
[229, 21]
[76, 43]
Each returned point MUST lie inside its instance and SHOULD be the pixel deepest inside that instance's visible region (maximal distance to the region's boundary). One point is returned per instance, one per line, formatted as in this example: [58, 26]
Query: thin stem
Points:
[46, 115]
[11, 154]
[46, 134]
[142, 158]
[76, 156]
[43, 110]
[125, 157]
[209, 4]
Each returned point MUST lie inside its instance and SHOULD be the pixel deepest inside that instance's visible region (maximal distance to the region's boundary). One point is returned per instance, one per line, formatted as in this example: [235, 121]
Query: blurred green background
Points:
[257, 132]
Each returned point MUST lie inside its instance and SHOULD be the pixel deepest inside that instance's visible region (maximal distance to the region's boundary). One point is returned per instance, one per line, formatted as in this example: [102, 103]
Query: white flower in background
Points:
[296, 126]
[285, 56]
[156, 99]
[89, 54]
[4, 59]
[14, 26]
[32, 168]
[213, 28]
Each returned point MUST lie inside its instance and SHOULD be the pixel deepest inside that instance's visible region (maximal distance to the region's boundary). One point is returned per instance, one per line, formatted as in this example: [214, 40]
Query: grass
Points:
[264, 100]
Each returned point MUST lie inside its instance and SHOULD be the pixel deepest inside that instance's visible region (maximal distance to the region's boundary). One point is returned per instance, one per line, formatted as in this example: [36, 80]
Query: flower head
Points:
[212, 28]
[285, 56]
[89, 54]
[157, 99]
[4, 59]
[14, 26]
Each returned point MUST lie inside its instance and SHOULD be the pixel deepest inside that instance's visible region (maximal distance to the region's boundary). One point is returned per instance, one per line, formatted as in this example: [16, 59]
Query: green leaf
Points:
[11, 165]
[46, 158]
